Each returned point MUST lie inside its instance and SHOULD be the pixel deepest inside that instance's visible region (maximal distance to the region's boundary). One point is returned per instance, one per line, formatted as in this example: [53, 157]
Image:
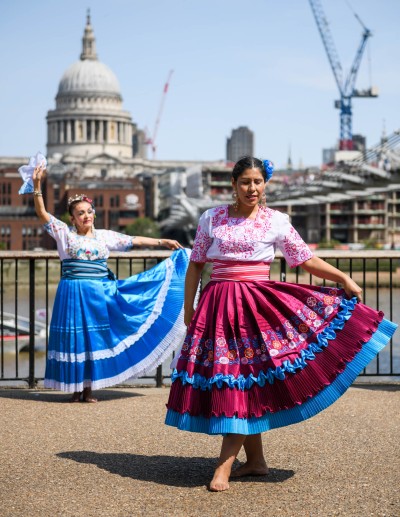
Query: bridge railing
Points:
[28, 282]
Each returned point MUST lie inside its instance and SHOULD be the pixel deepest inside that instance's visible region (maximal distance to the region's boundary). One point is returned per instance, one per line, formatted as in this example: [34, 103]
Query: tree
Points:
[145, 227]
[66, 218]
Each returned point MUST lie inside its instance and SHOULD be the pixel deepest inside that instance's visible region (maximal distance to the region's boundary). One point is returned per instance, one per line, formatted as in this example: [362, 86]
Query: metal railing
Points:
[28, 281]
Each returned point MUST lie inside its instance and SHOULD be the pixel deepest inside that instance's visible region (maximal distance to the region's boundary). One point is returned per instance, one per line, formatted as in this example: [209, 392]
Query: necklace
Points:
[252, 215]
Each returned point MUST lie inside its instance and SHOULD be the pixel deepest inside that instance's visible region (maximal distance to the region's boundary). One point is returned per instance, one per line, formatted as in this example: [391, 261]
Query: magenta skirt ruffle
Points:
[264, 347]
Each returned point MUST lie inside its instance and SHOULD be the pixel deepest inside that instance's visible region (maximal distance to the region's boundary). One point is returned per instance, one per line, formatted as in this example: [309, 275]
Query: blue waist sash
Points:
[81, 269]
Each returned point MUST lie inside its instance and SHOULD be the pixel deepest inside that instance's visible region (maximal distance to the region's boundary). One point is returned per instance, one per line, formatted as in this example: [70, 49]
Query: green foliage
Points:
[327, 245]
[382, 264]
[371, 244]
[143, 227]
[66, 218]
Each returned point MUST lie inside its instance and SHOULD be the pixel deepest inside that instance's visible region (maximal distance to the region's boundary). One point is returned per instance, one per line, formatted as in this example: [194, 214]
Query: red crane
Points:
[152, 140]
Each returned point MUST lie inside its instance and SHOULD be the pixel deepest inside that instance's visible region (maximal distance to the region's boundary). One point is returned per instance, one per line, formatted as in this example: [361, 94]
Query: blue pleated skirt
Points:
[104, 331]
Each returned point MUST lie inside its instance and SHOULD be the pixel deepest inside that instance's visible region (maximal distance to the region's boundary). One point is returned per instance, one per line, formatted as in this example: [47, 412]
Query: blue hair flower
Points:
[269, 168]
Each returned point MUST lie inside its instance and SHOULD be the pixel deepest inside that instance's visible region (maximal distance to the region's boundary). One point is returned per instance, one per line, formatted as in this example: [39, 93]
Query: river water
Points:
[10, 364]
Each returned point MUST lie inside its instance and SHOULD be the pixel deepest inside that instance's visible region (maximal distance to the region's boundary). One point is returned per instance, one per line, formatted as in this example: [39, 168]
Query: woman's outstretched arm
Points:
[318, 267]
[150, 241]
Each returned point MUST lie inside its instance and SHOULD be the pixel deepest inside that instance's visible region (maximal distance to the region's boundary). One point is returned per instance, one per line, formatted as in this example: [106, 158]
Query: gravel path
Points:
[117, 458]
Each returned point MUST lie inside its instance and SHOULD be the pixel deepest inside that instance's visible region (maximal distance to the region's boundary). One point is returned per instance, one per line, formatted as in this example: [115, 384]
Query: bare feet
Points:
[76, 397]
[219, 482]
[87, 396]
[250, 469]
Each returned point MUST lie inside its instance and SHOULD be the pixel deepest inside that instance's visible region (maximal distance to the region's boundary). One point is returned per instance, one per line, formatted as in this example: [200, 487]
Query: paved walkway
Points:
[117, 458]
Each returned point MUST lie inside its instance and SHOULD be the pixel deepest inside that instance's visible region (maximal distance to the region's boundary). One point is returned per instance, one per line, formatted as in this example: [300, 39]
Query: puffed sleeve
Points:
[58, 230]
[202, 240]
[289, 242]
[117, 241]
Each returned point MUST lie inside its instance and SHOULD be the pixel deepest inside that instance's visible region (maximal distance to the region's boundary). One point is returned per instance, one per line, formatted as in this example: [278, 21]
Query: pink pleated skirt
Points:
[261, 354]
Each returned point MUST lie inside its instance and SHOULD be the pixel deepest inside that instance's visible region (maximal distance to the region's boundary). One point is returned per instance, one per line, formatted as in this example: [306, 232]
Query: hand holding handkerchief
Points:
[26, 172]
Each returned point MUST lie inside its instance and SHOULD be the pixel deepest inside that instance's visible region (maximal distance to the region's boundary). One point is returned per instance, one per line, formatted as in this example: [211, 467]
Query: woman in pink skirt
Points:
[261, 354]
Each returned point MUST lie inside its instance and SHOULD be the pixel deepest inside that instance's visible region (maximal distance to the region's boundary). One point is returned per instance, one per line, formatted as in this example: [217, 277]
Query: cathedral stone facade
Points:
[89, 118]
[93, 147]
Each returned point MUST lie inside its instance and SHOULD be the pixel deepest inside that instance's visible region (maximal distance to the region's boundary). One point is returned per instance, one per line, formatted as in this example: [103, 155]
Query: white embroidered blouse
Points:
[71, 245]
[221, 237]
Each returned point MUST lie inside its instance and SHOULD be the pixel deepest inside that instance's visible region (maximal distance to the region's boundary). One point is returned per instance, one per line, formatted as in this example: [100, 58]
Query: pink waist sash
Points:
[240, 270]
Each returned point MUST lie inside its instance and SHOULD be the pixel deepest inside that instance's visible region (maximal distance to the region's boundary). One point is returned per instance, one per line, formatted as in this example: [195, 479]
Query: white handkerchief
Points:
[26, 172]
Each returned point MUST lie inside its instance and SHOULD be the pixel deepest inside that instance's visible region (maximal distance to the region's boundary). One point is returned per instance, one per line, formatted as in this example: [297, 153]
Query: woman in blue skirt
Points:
[104, 331]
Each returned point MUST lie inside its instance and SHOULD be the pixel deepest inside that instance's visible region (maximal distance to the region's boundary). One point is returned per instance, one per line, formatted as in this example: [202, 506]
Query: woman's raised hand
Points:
[39, 172]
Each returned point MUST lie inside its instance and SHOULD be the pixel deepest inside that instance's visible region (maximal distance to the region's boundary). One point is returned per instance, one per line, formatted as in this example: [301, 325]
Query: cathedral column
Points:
[101, 131]
[129, 134]
[84, 131]
[112, 132]
[105, 134]
[68, 131]
[92, 130]
[61, 122]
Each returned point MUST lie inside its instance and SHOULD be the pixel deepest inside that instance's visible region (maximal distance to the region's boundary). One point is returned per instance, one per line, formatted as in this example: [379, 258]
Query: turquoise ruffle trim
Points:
[312, 406]
[308, 354]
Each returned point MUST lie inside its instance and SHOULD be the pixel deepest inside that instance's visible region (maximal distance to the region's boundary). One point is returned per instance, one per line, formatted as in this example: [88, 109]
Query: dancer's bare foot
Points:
[87, 396]
[231, 444]
[250, 469]
[220, 481]
[76, 397]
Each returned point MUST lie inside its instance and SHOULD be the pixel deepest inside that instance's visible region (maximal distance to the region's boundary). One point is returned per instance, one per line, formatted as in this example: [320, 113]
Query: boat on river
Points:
[14, 334]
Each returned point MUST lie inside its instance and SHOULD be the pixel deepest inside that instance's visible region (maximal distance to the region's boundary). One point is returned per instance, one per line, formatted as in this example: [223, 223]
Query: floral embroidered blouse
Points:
[221, 237]
[70, 245]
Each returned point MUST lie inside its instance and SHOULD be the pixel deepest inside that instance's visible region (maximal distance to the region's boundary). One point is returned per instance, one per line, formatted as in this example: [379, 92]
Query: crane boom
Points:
[351, 78]
[152, 140]
[346, 88]
[328, 42]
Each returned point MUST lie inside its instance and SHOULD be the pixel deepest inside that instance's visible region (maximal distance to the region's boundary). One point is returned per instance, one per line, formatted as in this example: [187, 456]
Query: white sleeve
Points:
[203, 239]
[289, 242]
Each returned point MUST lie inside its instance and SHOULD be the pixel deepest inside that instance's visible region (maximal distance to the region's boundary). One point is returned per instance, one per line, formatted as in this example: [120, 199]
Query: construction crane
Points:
[152, 140]
[345, 86]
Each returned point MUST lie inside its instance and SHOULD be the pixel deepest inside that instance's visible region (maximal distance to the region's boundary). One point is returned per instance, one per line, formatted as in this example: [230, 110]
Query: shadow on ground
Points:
[164, 470]
[59, 398]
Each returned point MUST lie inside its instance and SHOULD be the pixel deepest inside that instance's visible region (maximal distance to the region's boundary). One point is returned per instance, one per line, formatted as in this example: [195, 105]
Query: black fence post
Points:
[31, 379]
[283, 270]
[159, 379]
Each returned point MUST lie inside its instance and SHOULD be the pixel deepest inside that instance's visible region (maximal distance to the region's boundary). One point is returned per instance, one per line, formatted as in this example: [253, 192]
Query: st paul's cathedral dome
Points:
[89, 118]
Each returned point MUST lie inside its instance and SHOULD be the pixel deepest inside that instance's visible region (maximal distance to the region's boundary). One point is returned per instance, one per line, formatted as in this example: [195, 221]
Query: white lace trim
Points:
[170, 342]
[128, 341]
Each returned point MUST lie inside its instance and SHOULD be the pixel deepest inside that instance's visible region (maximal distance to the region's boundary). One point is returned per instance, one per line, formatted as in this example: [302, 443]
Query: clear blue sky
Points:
[259, 63]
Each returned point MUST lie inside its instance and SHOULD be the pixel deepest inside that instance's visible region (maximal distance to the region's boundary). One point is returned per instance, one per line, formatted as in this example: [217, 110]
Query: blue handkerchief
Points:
[26, 172]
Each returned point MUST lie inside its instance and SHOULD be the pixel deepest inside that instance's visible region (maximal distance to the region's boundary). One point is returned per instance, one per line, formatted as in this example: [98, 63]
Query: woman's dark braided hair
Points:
[266, 167]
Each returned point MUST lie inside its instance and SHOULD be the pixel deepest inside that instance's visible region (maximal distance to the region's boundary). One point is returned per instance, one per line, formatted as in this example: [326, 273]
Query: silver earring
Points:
[263, 200]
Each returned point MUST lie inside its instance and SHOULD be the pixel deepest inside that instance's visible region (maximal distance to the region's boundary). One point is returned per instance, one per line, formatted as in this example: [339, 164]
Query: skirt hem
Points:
[312, 406]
